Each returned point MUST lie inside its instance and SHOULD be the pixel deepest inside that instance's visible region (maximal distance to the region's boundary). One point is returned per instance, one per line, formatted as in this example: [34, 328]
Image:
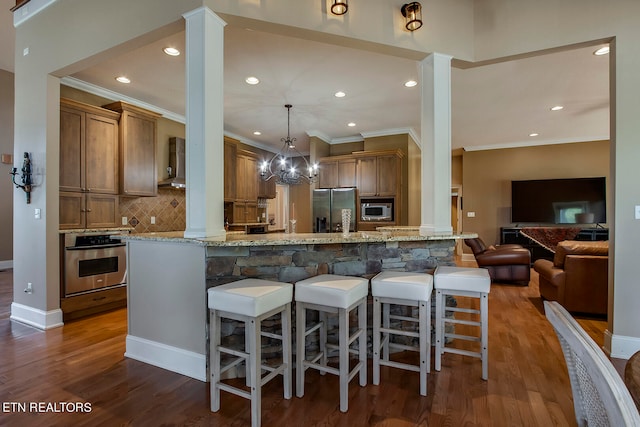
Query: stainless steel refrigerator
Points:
[327, 209]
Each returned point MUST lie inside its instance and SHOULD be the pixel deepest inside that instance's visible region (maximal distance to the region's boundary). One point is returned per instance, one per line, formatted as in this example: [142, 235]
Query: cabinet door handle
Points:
[83, 210]
[88, 210]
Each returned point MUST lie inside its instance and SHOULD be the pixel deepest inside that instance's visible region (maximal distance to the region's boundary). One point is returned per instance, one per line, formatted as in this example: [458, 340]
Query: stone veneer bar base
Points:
[291, 263]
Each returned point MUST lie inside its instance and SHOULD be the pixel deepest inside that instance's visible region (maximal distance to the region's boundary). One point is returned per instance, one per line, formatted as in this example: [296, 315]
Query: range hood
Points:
[176, 169]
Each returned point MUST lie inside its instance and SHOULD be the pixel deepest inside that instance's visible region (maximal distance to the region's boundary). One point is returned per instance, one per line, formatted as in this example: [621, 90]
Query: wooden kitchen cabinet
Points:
[337, 173]
[138, 128]
[266, 189]
[379, 176]
[88, 210]
[246, 176]
[244, 212]
[229, 170]
[88, 148]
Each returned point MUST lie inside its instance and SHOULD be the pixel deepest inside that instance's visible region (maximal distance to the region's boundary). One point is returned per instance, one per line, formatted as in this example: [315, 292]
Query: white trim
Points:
[4, 265]
[115, 96]
[36, 317]
[164, 356]
[622, 347]
[30, 9]
[522, 144]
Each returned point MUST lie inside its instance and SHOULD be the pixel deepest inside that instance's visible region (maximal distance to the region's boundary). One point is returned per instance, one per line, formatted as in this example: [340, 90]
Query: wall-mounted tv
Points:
[559, 201]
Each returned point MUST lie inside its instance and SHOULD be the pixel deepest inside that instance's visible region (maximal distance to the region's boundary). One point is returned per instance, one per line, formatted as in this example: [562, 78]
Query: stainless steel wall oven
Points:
[92, 262]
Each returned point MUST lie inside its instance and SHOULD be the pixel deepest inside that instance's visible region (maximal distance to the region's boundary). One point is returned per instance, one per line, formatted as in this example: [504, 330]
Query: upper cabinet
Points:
[246, 176]
[379, 175]
[88, 148]
[89, 160]
[229, 170]
[334, 173]
[138, 174]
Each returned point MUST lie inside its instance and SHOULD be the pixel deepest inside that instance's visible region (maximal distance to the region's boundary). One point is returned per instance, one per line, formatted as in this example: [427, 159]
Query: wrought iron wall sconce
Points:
[27, 184]
[339, 7]
[413, 15]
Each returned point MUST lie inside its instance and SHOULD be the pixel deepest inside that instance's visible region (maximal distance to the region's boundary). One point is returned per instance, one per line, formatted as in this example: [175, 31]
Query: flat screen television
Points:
[559, 201]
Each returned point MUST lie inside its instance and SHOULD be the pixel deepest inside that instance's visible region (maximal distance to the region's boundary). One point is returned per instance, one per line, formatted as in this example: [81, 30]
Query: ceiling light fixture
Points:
[257, 132]
[413, 15]
[339, 7]
[340, 94]
[286, 171]
[602, 51]
[123, 79]
[252, 80]
[557, 108]
[411, 83]
[351, 124]
[171, 51]
[533, 134]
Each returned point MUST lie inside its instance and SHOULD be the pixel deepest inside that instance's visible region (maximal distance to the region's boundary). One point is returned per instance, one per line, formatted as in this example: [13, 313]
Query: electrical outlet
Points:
[124, 220]
[153, 220]
[637, 211]
[36, 213]
[471, 214]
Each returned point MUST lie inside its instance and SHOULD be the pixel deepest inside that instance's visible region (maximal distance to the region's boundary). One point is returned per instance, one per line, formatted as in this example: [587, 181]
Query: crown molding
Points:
[523, 144]
[115, 96]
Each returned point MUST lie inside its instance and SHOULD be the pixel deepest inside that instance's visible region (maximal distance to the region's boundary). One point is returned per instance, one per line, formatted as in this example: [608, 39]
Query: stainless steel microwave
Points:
[376, 211]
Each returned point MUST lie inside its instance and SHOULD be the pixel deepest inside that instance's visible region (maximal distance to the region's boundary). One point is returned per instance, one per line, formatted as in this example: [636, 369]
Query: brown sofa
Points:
[577, 277]
[506, 263]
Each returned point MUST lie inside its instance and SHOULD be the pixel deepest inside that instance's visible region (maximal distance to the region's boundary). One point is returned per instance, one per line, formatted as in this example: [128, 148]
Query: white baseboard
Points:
[622, 347]
[37, 318]
[164, 356]
[6, 264]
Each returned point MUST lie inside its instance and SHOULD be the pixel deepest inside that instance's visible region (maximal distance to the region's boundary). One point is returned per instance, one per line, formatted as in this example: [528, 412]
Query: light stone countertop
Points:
[279, 239]
[96, 230]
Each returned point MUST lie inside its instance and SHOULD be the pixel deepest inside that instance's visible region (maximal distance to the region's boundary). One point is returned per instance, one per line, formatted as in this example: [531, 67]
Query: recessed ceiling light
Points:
[557, 108]
[351, 124]
[411, 83]
[123, 79]
[171, 51]
[340, 94]
[602, 51]
[533, 134]
[252, 80]
[257, 132]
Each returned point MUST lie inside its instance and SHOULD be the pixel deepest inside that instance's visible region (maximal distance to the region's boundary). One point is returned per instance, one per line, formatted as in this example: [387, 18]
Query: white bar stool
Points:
[329, 293]
[465, 282]
[408, 289]
[250, 301]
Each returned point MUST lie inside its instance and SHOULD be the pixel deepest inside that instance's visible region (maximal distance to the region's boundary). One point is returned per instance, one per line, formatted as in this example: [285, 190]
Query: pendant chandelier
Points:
[289, 166]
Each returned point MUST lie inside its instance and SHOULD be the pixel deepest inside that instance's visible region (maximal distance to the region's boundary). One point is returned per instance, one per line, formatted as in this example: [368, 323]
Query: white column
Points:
[435, 135]
[205, 123]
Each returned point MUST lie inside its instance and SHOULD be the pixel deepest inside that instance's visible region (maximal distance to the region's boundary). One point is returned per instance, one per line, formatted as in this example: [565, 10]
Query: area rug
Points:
[549, 237]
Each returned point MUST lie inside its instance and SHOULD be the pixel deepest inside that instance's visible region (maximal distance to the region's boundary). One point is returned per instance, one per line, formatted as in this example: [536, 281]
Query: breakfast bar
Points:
[168, 276]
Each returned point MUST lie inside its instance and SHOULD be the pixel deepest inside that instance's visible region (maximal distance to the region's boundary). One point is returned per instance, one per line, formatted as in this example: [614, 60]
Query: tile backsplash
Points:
[168, 208]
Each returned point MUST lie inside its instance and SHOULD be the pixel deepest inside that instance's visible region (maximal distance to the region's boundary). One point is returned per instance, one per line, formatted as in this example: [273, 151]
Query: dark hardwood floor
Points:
[83, 362]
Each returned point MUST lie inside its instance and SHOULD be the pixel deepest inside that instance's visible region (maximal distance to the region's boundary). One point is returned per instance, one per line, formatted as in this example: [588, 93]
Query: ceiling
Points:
[497, 105]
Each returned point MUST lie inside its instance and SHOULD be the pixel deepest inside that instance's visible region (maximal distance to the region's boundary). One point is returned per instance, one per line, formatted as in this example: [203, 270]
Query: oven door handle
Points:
[81, 248]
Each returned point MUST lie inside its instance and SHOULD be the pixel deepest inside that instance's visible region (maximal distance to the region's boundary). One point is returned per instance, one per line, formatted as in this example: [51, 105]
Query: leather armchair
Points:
[506, 263]
[578, 276]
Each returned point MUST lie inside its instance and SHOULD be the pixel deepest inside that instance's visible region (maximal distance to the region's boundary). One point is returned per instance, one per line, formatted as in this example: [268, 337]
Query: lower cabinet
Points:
[88, 210]
[82, 305]
[244, 212]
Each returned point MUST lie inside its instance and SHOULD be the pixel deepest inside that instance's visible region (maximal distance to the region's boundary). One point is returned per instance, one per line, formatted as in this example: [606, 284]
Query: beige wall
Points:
[487, 177]
[6, 190]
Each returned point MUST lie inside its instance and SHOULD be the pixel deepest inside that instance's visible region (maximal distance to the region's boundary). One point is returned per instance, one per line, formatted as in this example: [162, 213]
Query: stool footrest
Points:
[403, 347]
[271, 335]
[313, 328]
[462, 352]
[462, 310]
[274, 371]
[234, 390]
[400, 365]
[405, 318]
[330, 369]
[463, 337]
[399, 332]
[463, 322]
[233, 352]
